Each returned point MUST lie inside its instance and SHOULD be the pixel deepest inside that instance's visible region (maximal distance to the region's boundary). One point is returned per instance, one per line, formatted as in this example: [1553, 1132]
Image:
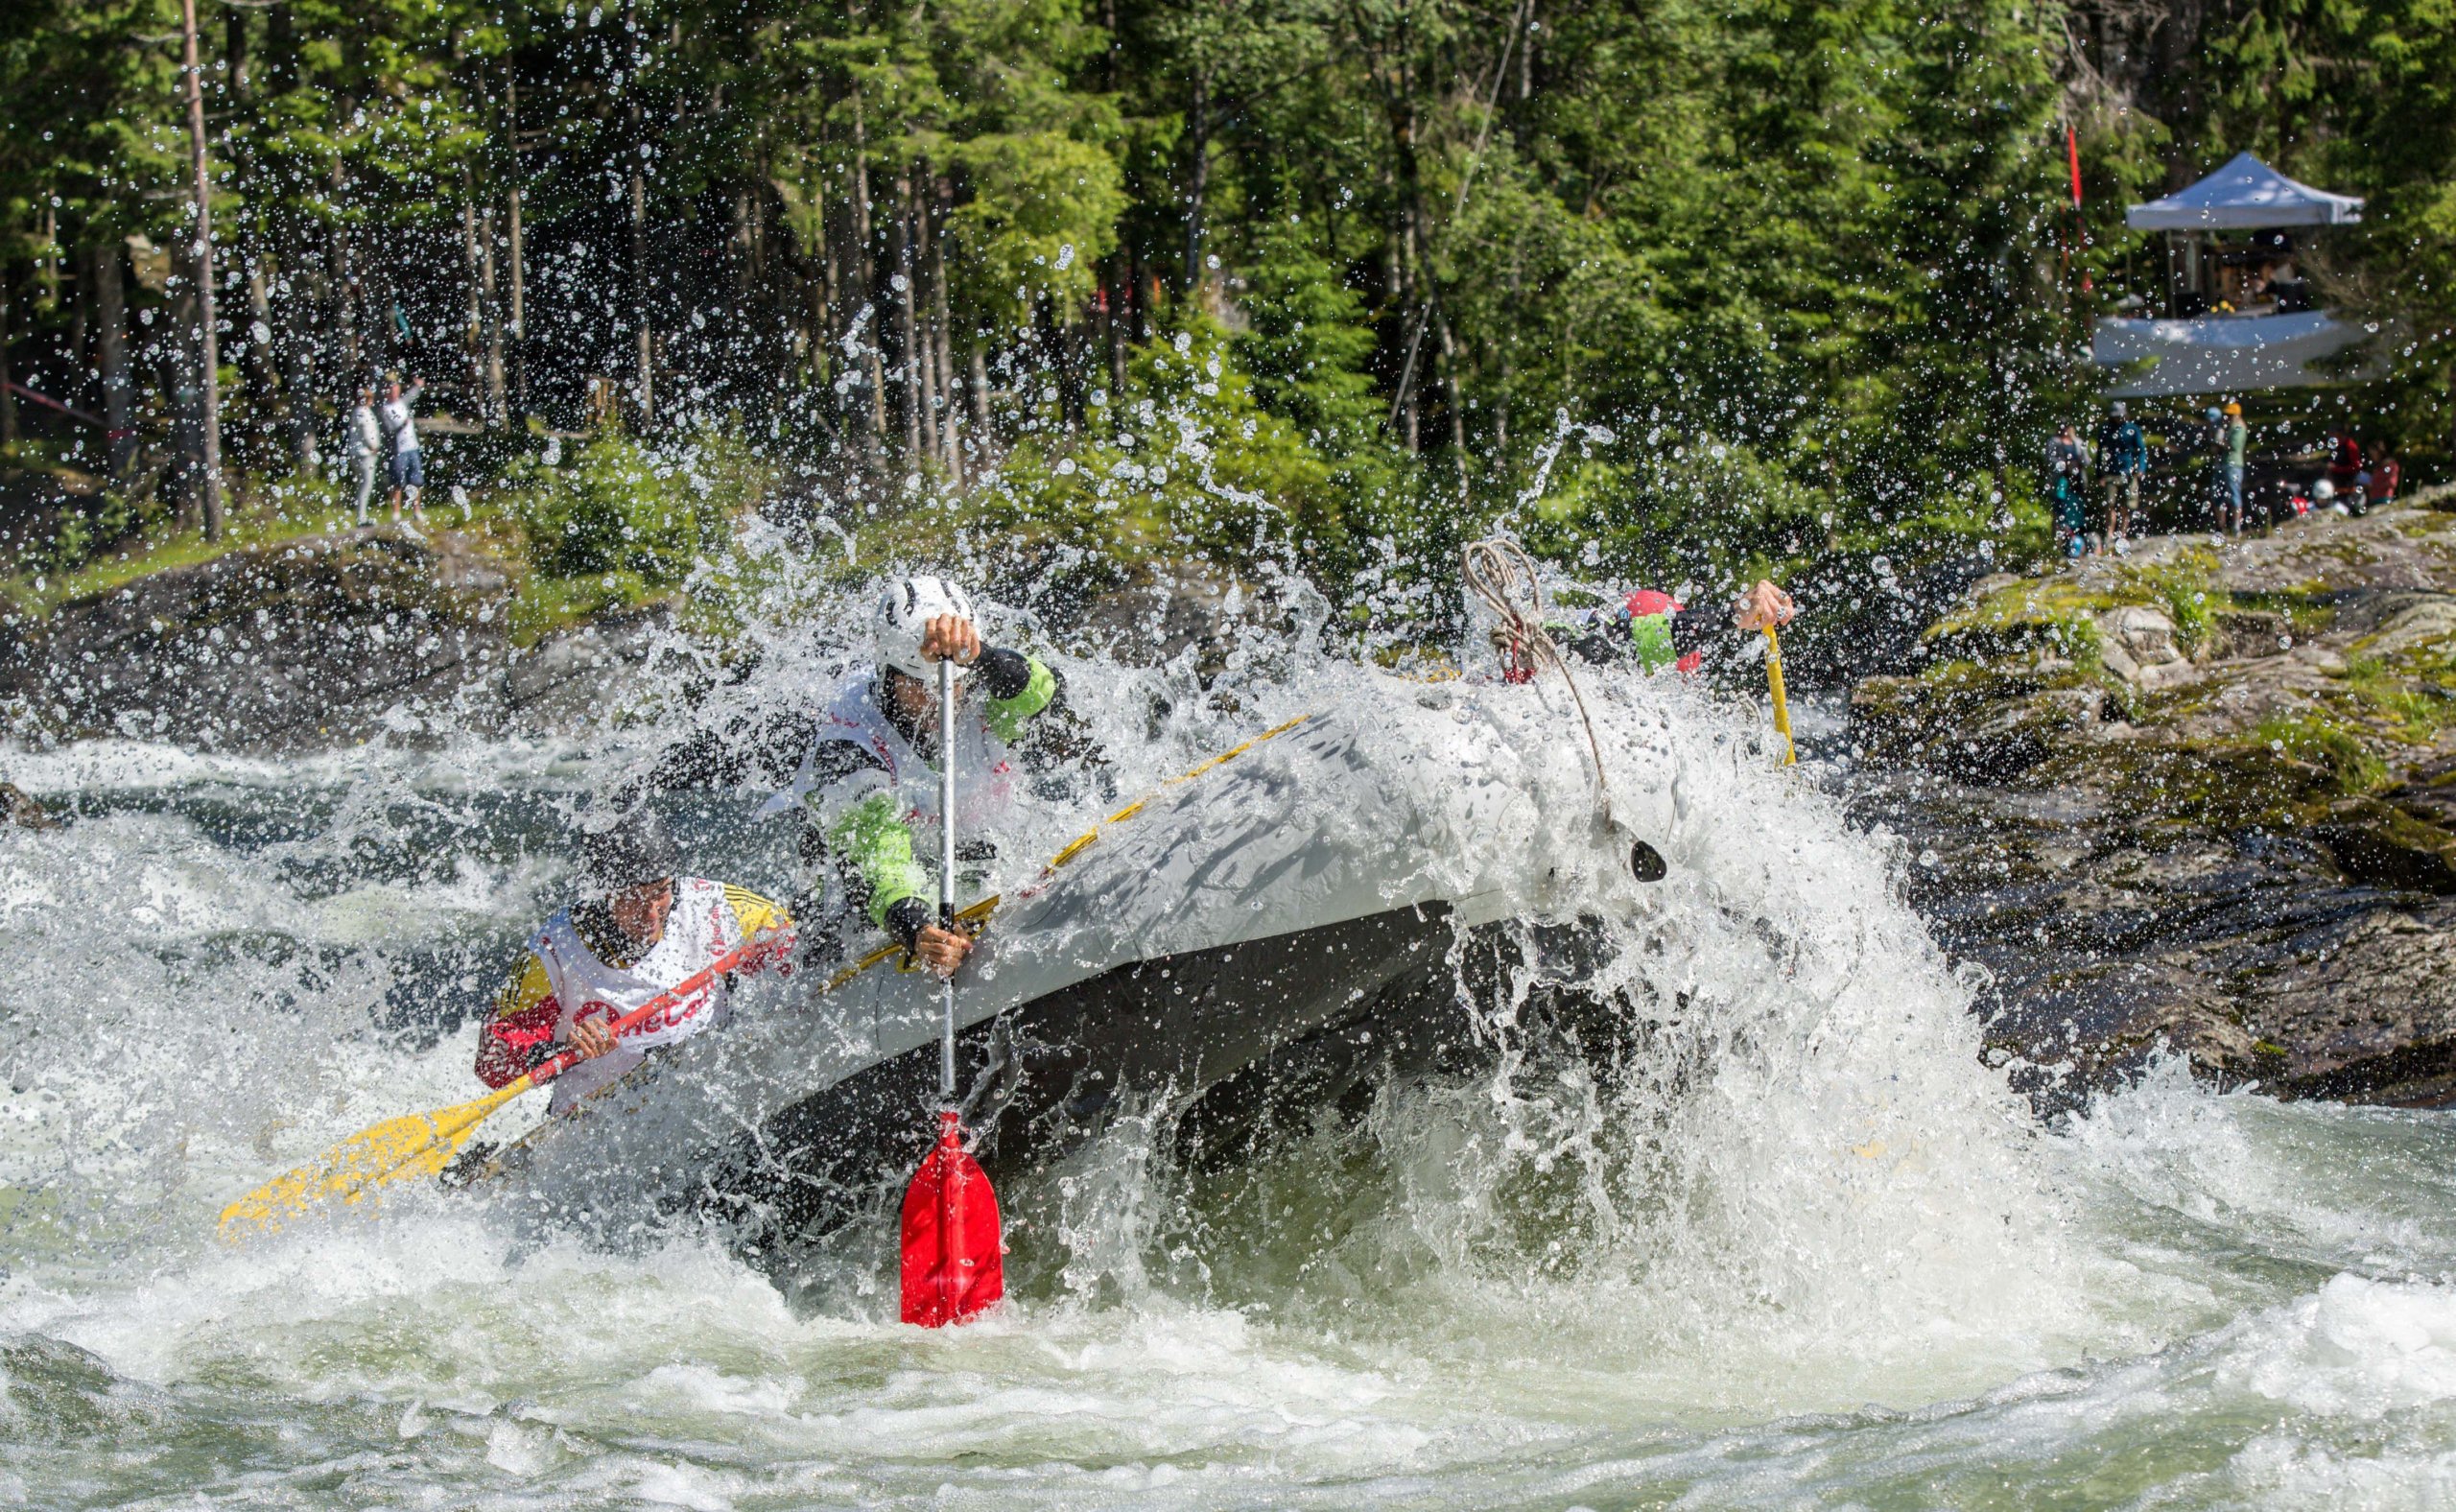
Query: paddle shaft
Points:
[1781, 704]
[947, 870]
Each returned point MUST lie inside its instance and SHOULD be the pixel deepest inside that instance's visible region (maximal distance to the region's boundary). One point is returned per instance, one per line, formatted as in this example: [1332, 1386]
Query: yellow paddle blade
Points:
[415, 1144]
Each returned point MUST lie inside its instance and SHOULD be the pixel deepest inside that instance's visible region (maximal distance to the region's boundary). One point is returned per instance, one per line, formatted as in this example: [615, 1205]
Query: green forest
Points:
[1666, 289]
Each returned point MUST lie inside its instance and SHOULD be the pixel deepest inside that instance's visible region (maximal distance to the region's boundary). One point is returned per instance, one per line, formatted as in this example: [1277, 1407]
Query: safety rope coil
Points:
[1501, 573]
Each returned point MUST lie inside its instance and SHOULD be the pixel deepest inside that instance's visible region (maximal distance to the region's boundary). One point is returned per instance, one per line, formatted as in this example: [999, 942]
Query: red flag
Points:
[2072, 153]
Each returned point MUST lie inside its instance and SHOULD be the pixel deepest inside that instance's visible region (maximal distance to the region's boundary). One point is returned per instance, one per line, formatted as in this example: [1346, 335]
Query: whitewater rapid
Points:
[1799, 1247]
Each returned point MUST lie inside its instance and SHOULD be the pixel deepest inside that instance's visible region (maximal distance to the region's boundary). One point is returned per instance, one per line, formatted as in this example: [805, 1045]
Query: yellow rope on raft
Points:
[978, 913]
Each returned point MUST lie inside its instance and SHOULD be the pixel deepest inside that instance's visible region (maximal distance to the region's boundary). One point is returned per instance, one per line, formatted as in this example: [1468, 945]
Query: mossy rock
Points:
[2382, 844]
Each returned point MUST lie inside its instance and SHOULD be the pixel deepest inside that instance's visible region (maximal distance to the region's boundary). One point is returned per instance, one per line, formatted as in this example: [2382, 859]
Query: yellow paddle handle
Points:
[1781, 704]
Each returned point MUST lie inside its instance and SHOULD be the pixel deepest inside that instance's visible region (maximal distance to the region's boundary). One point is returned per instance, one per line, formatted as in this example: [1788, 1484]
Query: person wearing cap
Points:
[2123, 459]
[2239, 440]
[401, 428]
[640, 931]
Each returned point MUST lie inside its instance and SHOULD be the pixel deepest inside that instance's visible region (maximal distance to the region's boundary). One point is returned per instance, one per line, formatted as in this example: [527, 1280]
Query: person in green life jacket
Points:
[869, 784]
[861, 767]
[1654, 630]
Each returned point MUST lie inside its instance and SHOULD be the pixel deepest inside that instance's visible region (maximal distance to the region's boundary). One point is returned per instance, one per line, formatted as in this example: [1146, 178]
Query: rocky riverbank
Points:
[2201, 797]
[311, 642]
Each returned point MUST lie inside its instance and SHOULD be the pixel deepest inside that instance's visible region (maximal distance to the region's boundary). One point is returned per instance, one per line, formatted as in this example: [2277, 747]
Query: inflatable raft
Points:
[1286, 902]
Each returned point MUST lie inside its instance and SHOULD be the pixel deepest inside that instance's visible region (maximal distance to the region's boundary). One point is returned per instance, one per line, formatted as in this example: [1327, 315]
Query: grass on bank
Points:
[614, 524]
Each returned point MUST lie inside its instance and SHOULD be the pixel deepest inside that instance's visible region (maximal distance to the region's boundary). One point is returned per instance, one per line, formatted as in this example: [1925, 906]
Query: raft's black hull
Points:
[1159, 1034]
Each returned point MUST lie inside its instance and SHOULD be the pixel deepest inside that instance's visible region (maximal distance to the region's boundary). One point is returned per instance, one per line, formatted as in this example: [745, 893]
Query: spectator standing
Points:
[2380, 485]
[400, 428]
[2344, 462]
[2214, 443]
[2238, 441]
[2068, 475]
[363, 447]
[2123, 459]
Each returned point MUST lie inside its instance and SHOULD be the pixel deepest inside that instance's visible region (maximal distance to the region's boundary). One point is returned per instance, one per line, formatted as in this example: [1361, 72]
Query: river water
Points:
[1805, 1250]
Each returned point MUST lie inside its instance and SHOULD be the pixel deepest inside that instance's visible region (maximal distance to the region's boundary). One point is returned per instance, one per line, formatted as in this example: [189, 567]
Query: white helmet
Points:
[905, 612]
[2324, 490]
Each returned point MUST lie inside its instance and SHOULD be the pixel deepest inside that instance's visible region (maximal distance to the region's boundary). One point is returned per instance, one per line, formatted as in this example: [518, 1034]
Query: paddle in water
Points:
[954, 1264]
[423, 1143]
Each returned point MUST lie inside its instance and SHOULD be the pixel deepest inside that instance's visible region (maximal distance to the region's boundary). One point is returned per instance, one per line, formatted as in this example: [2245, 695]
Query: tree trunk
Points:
[180, 385]
[513, 250]
[201, 257]
[111, 352]
[79, 324]
[910, 345]
[295, 343]
[932, 377]
[822, 290]
[980, 391]
[491, 304]
[8, 374]
[1114, 324]
[865, 274]
[263, 365]
[950, 408]
[1198, 180]
[645, 390]
[1457, 406]
[743, 272]
[344, 281]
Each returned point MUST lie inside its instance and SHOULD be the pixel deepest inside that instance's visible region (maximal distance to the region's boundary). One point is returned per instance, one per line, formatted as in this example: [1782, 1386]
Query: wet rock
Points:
[2247, 858]
[315, 642]
[1163, 611]
[586, 676]
[22, 810]
[311, 642]
[300, 644]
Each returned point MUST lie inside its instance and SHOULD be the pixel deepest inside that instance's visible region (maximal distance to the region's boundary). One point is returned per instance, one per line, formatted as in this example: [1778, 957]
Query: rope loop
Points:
[1500, 572]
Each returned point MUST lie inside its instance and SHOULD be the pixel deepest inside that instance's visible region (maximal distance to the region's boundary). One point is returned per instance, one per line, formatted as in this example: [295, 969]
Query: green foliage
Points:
[1756, 284]
[2351, 767]
[1183, 460]
[617, 507]
[2183, 588]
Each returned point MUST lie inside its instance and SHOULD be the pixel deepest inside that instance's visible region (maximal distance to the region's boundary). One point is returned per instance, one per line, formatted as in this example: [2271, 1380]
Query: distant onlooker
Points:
[363, 447]
[2123, 459]
[2344, 462]
[2239, 440]
[400, 427]
[2067, 479]
[2379, 483]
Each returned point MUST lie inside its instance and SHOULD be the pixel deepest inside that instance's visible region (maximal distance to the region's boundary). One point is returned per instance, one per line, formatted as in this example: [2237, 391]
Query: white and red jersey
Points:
[563, 982]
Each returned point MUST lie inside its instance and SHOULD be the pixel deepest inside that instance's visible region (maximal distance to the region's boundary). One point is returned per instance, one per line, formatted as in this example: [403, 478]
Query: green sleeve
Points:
[1650, 641]
[873, 840]
[1007, 716]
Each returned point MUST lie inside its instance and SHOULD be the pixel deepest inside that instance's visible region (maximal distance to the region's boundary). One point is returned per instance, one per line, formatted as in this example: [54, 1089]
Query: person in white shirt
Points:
[362, 446]
[409, 467]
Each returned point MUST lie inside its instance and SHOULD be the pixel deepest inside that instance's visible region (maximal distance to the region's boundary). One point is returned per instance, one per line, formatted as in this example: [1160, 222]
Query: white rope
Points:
[1501, 573]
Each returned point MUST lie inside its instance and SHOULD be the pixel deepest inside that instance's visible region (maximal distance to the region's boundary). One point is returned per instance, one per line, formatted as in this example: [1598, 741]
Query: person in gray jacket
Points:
[362, 446]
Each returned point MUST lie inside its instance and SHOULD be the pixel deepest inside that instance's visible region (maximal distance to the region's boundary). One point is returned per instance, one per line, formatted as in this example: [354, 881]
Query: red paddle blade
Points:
[954, 1254]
